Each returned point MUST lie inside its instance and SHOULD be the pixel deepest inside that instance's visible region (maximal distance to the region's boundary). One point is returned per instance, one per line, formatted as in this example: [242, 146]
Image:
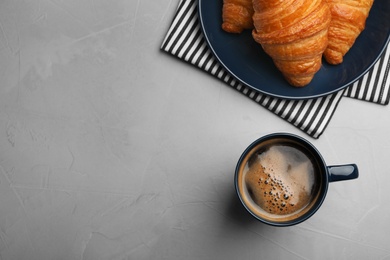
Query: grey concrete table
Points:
[112, 149]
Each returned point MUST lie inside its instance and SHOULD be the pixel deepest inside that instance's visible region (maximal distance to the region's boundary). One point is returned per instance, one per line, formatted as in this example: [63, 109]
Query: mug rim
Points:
[324, 185]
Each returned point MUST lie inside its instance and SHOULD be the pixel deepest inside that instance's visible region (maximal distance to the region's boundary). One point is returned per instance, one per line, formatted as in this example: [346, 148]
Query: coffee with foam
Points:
[279, 181]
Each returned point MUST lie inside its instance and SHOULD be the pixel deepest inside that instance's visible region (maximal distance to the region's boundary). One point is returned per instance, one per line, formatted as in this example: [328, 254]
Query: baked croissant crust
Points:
[237, 15]
[348, 21]
[294, 33]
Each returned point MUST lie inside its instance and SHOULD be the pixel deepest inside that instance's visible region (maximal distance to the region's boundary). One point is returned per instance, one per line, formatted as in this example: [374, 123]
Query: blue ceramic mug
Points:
[281, 179]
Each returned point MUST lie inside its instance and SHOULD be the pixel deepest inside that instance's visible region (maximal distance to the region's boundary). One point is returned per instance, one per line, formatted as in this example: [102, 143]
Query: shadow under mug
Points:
[324, 174]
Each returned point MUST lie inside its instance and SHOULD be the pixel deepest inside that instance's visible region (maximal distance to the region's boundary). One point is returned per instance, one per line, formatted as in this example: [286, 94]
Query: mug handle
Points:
[343, 172]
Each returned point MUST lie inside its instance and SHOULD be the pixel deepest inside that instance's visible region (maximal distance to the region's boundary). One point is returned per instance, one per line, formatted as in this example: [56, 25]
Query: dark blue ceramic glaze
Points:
[328, 174]
[245, 59]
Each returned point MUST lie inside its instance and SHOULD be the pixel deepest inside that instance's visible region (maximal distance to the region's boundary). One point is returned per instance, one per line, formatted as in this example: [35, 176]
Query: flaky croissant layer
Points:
[348, 21]
[237, 15]
[294, 33]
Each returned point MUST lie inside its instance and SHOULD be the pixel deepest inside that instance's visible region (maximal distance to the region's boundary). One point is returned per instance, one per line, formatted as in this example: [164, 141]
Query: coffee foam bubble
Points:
[280, 180]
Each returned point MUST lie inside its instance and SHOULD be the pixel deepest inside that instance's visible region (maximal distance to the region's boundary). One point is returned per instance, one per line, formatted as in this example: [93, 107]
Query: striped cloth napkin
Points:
[185, 40]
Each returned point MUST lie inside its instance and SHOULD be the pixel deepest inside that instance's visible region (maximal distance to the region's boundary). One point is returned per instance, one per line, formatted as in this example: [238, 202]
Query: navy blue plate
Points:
[245, 59]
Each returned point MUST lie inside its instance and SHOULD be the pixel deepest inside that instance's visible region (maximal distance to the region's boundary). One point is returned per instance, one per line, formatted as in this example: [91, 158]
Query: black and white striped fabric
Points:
[185, 40]
[375, 84]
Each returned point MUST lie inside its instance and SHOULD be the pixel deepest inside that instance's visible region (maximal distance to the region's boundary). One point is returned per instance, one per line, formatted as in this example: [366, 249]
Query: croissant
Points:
[294, 33]
[237, 15]
[348, 21]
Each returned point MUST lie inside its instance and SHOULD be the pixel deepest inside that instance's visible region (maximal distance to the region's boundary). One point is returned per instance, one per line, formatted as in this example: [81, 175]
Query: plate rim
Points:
[287, 97]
